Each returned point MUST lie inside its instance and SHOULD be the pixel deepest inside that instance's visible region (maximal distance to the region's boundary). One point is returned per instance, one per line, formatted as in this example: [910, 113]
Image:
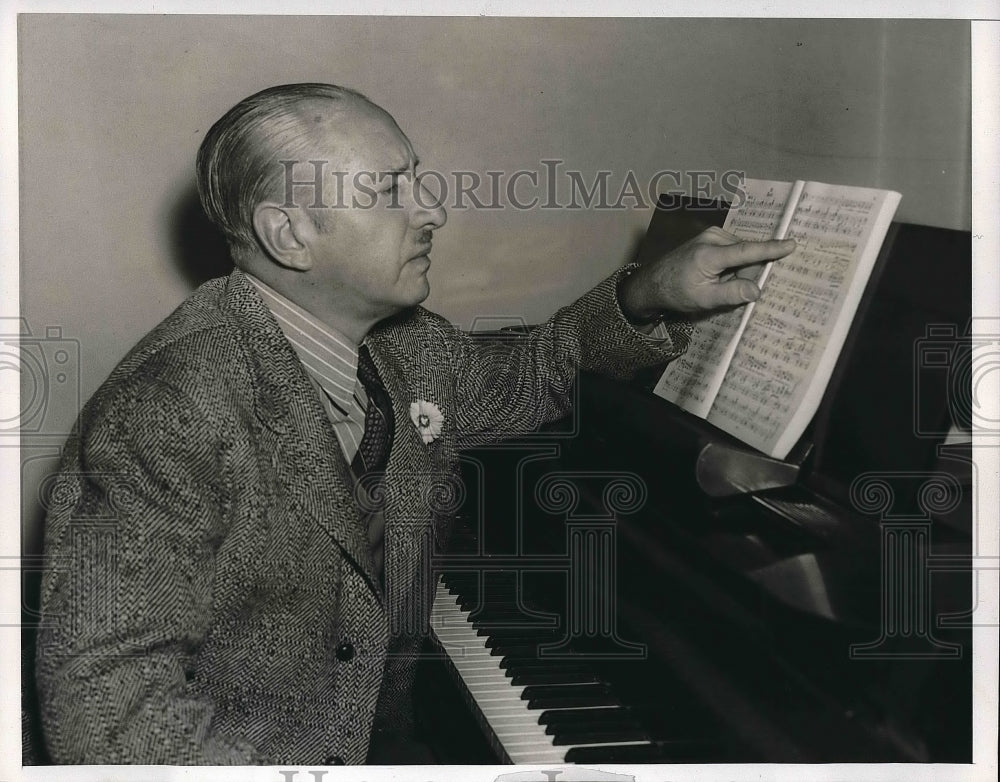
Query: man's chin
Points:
[412, 287]
[405, 305]
[418, 291]
[423, 284]
[424, 294]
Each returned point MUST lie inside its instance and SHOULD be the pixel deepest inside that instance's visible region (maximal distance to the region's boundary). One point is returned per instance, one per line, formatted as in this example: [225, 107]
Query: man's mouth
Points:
[422, 251]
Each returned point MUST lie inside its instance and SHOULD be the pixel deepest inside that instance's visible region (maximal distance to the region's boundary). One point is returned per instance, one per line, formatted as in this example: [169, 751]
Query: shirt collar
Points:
[329, 357]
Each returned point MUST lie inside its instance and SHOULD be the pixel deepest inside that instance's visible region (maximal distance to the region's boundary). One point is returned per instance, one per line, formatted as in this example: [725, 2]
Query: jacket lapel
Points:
[309, 461]
[410, 477]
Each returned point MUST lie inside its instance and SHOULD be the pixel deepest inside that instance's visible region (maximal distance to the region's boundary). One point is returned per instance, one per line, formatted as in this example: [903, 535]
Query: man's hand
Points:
[697, 276]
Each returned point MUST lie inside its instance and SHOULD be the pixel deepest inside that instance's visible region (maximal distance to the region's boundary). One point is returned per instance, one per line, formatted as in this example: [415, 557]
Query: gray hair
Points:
[236, 160]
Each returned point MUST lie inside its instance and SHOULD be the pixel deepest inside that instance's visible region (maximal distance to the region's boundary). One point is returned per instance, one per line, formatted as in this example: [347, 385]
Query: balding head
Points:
[237, 165]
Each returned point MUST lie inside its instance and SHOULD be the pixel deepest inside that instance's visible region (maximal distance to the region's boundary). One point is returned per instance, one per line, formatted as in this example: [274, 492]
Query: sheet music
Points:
[693, 380]
[787, 352]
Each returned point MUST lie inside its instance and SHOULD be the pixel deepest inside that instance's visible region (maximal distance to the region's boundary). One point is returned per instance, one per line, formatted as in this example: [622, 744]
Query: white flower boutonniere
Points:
[428, 419]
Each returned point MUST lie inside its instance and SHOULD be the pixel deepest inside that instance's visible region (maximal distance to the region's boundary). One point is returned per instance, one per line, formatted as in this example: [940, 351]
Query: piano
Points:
[631, 585]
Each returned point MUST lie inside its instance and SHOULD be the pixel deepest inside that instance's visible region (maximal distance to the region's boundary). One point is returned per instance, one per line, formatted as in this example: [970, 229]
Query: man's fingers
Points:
[731, 256]
[731, 294]
[716, 236]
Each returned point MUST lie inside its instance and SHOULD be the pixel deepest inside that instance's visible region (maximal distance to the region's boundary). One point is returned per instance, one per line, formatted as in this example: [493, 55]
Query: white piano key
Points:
[515, 726]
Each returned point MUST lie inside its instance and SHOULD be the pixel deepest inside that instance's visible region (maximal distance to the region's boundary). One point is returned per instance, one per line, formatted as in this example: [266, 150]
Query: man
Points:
[234, 546]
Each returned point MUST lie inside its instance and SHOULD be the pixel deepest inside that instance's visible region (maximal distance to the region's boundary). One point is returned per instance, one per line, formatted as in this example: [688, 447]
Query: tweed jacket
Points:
[208, 596]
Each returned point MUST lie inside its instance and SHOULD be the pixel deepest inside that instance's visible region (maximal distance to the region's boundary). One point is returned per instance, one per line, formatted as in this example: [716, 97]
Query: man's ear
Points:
[281, 233]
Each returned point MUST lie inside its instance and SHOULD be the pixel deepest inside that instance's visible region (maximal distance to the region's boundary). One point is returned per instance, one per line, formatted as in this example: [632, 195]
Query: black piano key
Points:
[548, 674]
[460, 576]
[543, 690]
[500, 608]
[521, 650]
[576, 705]
[596, 720]
[492, 584]
[465, 576]
[475, 603]
[462, 590]
[497, 602]
[582, 716]
[543, 677]
[466, 595]
[497, 636]
[605, 736]
[634, 714]
[599, 726]
[523, 632]
[543, 702]
[513, 619]
[541, 697]
[653, 752]
[506, 611]
[534, 665]
[520, 641]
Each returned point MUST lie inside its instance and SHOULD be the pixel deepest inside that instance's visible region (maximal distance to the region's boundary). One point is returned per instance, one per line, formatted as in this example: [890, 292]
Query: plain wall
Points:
[113, 108]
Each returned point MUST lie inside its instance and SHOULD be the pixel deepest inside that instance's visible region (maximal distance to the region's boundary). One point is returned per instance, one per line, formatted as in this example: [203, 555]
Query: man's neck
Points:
[321, 305]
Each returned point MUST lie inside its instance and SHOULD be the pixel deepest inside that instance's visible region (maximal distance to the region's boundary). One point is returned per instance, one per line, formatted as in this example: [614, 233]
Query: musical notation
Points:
[693, 381]
[759, 372]
[760, 212]
[776, 361]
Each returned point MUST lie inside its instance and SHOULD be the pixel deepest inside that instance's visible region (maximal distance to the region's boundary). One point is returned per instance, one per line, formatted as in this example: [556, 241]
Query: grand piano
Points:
[631, 585]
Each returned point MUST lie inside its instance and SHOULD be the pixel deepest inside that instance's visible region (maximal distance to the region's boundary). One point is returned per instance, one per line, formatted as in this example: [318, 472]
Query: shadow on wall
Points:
[200, 253]
[635, 244]
[199, 248]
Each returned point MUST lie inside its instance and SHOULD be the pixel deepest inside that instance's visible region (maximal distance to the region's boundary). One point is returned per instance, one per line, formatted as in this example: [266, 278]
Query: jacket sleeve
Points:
[133, 525]
[504, 389]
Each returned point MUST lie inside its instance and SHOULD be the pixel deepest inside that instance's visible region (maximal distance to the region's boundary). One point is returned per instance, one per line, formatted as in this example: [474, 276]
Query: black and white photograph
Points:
[609, 396]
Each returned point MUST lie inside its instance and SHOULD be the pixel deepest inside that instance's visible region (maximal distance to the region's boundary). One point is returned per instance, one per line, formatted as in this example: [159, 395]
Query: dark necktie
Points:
[373, 455]
[373, 451]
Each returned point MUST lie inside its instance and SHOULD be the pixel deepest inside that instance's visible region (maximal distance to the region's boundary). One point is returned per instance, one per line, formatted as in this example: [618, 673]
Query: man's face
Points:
[373, 250]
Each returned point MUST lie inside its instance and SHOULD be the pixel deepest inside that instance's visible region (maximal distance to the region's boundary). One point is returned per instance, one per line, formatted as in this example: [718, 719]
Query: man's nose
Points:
[428, 211]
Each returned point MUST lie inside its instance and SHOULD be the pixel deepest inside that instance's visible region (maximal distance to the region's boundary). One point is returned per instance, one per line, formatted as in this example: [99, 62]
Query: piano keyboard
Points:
[538, 710]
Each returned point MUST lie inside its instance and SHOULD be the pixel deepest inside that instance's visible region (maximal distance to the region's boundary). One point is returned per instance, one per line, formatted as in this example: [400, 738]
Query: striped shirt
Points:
[330, 360]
